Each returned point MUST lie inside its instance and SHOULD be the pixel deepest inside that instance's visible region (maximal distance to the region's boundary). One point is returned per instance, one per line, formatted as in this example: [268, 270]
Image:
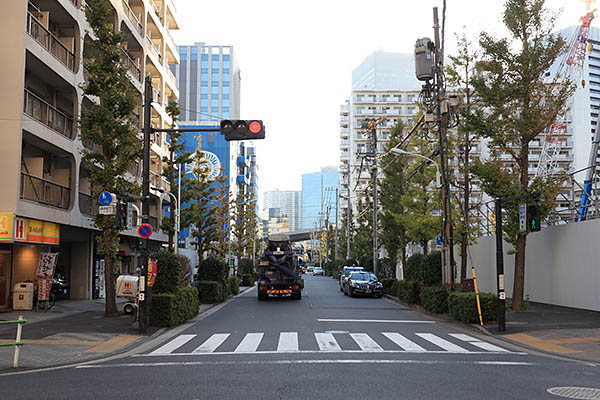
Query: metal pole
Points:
[337, 207]
[348, 215]
[178, 210]
[145, 293]
[375, 202]
[18, 340]
[500, 269]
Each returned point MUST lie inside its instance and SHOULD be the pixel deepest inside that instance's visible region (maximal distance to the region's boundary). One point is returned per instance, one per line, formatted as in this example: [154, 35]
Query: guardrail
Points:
[17, 343]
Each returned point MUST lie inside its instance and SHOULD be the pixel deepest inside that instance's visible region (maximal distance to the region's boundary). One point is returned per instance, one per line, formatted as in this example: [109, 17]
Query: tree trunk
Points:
[424, 245]
[403, 245]
[519, 283]
[464, 240]
[110, 309]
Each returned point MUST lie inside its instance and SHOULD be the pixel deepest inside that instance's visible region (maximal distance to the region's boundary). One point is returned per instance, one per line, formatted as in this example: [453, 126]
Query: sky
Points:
[296, 59]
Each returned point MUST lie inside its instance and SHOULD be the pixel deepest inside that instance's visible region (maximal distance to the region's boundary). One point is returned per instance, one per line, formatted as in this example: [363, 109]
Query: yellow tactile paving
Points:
[546, 345]
[60, 341]
[113, 344]
[575, 340]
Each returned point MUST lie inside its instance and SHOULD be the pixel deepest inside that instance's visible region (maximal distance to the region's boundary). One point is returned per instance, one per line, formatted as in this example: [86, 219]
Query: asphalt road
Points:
[325, 346]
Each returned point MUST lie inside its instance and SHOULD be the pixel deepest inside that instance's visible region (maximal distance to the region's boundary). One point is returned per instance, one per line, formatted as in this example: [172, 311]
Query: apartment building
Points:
[46, 203]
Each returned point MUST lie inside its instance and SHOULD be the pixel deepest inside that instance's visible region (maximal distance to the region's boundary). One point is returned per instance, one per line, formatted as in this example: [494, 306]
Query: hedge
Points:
[390, 286]
[463, 307]
[234, 285]
[434, 299]
[431, 274]
[413, 271]
[209, 292]
[170, 309]
[213, 269]
[248, 279]
[168, 278]
[408, 291]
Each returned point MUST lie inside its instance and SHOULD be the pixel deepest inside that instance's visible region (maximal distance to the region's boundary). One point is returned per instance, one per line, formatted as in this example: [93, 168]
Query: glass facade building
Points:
[289, 204]
[318, 193]
[382, 70]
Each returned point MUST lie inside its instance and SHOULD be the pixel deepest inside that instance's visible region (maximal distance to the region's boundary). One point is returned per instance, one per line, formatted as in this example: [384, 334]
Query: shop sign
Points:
[34, 231]
[6, 227]
[151, 272]
[44, 289]
[46, 265]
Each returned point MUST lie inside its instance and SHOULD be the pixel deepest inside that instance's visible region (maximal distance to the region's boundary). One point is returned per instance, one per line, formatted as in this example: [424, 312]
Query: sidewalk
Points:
[561, 331]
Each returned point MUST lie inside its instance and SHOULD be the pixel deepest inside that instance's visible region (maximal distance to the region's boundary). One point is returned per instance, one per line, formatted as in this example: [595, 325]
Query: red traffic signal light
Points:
[242, 129]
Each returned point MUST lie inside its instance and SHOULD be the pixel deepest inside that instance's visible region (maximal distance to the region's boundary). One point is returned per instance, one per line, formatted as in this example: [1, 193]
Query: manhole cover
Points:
[575, 392]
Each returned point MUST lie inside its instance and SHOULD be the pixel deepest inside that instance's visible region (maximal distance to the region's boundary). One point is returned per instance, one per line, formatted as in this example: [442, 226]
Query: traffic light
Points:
[242, 129]
[534, 217]
[121, 216]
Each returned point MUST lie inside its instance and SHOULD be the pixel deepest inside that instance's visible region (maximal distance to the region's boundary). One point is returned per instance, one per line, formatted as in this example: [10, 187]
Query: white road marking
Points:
[394, 321]
[476, 342]
[173, 344]
[365, 342]
[288, 341]
[444, 344]
[403, 342]
[212, 343]
[343, 351]
[250, 343]
[290, 362]
[327, 342]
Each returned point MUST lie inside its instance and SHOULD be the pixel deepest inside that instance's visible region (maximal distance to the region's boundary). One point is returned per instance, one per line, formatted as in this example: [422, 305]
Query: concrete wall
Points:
[562, 265]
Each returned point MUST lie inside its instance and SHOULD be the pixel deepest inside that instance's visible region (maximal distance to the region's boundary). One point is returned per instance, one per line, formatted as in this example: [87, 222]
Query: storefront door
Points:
[4, 277]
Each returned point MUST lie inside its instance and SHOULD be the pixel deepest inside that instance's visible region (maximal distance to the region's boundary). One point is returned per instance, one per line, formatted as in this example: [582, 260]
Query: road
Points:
[325, 346]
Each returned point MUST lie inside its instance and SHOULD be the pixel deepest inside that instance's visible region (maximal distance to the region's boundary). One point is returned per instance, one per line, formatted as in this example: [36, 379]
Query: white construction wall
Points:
[562, 265]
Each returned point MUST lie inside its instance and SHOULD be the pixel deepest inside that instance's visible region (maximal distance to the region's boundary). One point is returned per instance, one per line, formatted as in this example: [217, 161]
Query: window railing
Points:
[156, 10]
[85, 204]
[133, 18]
[130, 63]
[44, 191]
[154, 49]
[37, 108]
[50, 42]
[170, 73]
[156, 96]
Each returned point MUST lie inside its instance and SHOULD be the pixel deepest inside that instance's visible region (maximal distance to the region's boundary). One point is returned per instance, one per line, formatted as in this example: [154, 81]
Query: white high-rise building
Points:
[289, 204]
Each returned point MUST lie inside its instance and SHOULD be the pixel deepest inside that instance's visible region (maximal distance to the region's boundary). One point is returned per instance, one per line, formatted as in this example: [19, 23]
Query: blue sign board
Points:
[106, 198]
[438, 240]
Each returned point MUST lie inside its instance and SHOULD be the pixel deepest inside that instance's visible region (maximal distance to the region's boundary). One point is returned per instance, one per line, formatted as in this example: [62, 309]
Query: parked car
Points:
[364, 283]
[318, 271]
[344, 274]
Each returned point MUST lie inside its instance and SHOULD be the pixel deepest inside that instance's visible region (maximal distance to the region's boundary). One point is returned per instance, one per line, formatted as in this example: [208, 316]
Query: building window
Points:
[225, 77]
[225, 89]
[183, 53]
[214, 90]
[193, 53]
[210, 137]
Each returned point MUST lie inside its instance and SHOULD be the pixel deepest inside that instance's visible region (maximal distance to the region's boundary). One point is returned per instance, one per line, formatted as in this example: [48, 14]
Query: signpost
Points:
[107, 210]
[145, 231]
[522, 217]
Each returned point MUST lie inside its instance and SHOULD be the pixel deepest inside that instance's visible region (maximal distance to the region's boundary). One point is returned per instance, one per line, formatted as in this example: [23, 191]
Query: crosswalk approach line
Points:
[327, 342]
[173, 344]
[365, 342]
[212, 343]
[288, 341]
[444, 344]
[403, 342]
[250, 343]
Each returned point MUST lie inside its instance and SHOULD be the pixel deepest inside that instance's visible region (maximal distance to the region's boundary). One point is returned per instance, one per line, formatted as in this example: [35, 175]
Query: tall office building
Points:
[46, 201]
[289, 204]
[319, 197]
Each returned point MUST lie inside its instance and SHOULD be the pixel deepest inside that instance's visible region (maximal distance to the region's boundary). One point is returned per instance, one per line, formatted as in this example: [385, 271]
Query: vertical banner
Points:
[44, 274]
[151, 272]
[44, 289]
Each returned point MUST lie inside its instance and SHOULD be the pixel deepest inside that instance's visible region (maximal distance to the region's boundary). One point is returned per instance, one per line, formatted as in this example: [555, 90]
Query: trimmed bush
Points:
[463, 307]
[248, 279]
[225, 290]
[168, 278]
[413, 270]
[234, 284]
[431, 274]
[209, 292]
[408, 291]
[434, 299]
[213, 269]
[388, 285]
[245, 266]
[170, 309]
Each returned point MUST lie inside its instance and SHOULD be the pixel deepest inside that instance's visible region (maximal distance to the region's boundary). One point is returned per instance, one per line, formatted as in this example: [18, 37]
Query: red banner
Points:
[152, 270]
[44, 289]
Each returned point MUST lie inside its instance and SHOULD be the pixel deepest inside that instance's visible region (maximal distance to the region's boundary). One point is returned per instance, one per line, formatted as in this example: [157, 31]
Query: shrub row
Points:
[170, 309]
[248, 279]
[424, 268]
[209, 292]
[463, 307]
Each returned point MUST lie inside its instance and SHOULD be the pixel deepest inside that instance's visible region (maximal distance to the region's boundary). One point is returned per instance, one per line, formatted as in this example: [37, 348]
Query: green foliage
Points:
[408, 291]
[209, 292]
[234, 285]
[432, 269]
[245, 227]
[245, 266]
[463, 306]
[386, 268]
[248, 279]
[212, 269]
[222, 212]
[413, 270]
[170, 309]
[390, 286]
[168, 278]
[434, 299]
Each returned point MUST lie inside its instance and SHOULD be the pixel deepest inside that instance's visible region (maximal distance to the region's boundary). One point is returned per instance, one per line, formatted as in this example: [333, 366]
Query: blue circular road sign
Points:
[106, 198]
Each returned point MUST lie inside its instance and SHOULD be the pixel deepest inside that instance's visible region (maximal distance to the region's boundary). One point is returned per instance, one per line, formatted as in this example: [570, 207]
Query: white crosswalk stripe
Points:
[327, 342]
[212, 343]
[250, 343]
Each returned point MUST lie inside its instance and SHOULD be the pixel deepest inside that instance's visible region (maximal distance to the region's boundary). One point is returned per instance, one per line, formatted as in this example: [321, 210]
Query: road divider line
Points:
[393, 321]
[342, 351]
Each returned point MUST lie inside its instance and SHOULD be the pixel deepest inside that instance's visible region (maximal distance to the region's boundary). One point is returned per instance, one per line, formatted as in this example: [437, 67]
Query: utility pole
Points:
[337, 207]
[348, 216]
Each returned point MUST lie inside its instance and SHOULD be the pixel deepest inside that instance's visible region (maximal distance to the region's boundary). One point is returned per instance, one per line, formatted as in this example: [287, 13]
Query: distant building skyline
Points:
[318, 192]
[289, 204]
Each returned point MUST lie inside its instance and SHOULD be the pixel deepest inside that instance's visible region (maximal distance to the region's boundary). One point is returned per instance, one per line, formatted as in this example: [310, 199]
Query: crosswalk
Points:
[326, 342]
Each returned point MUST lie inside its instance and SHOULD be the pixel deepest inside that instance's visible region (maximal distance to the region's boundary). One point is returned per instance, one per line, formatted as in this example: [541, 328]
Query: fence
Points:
[17, 343]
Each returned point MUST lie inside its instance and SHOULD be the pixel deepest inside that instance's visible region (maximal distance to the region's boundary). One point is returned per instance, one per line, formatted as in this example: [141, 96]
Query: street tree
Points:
[176, 159]
[245, 225]
[113, 144]
[518, 100]
[460, 73]
[222, 212]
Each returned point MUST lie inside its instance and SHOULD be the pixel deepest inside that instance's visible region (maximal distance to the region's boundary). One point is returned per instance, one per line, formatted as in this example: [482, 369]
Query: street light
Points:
[437, 168]
[177, 216]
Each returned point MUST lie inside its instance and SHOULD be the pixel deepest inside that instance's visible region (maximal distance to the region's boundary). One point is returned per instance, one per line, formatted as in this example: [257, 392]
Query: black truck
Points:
[279, 270]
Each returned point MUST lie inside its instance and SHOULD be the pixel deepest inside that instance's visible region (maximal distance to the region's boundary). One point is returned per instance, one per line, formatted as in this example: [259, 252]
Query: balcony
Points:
[40, 110]
[156, 11]
[50, 42]
[153, 221]
[156, 96]
[153, 49]
[133, 18]
[156, 180]
[130, 63]
[85, 204]
[44, 191]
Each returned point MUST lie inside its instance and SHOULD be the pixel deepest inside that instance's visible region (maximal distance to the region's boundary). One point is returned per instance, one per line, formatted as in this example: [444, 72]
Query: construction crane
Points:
[573, 62]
